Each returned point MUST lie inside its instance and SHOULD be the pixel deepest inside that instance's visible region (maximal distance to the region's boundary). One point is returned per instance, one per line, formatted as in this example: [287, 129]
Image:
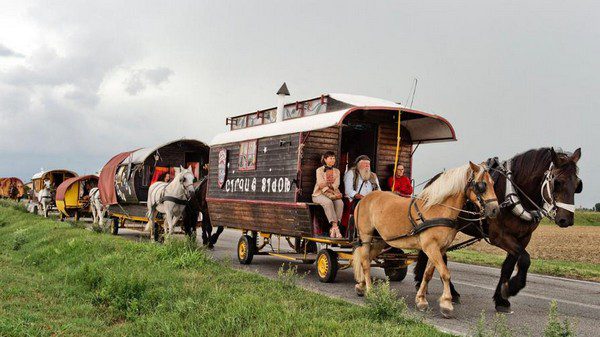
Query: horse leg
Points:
[435, 256]
[501, 293]
[455, 294]
[215, 237]
[94, 212]
[419, 268]
[206, 233]
[519, 281]
[101, 215]
[426, 275]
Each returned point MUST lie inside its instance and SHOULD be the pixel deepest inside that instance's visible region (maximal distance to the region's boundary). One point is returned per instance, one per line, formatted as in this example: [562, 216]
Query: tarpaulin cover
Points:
[106, 184]
[64, 186]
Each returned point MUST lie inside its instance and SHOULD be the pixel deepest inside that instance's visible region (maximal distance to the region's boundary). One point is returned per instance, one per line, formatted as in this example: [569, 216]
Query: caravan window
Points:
[247, 160]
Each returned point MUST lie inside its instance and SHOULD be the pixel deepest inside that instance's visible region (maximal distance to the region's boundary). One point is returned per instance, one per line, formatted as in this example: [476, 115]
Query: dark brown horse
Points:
[194, 207]
[544, 177]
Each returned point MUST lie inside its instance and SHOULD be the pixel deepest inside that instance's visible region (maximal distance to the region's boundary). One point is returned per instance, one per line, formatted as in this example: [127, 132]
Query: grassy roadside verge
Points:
[57, 279]
[577, 270]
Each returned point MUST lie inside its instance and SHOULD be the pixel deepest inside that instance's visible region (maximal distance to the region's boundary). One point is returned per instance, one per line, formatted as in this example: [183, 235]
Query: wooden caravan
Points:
[72, 196]
[56, 177]
[263, 170]
[126, 178]
[12, 188]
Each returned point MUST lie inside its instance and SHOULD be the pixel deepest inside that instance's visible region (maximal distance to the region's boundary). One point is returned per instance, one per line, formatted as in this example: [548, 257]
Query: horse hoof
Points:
[456, 299]
[447, 312]
[503, 309]
[422, 306]
[211, 246]
[504, 291]
[359, 290]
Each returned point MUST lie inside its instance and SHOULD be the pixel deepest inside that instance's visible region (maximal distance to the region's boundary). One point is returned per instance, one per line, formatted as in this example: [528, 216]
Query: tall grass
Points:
[67, 281]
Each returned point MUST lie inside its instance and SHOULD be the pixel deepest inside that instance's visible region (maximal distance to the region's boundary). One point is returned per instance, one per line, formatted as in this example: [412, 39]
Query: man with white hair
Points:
[359, 180]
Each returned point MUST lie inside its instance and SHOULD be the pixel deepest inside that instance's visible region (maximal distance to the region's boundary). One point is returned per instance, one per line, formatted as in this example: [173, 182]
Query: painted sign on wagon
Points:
[222, 168]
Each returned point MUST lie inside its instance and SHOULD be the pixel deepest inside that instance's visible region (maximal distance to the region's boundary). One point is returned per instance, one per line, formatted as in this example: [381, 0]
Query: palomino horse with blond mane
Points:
[427, 223]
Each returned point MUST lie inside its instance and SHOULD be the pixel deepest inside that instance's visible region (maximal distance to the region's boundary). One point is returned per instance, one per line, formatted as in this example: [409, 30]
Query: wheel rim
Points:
[242, 250]
[323, 265]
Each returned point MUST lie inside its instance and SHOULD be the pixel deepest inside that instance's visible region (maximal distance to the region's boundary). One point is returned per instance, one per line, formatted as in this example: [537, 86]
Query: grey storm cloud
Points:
[140, 79]
[7, 52]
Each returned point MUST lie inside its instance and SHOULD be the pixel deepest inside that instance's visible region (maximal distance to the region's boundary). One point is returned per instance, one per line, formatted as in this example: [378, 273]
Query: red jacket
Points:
[402, 186]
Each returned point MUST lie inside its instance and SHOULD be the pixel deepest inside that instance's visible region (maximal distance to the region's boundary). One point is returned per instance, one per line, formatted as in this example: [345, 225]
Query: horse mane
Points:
[535, 162]
[446, 184]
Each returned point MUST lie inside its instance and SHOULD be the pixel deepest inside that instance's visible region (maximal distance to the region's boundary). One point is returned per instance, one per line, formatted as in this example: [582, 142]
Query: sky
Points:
[81, 81]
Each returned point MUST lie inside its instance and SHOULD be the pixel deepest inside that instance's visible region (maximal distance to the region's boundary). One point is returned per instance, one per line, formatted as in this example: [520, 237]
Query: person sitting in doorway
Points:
[359, 180]
[327, 192]
[401, 185]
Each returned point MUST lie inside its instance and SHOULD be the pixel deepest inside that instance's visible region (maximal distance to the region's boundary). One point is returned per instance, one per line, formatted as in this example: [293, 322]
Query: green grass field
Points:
[58, 279]
[582, 218]
[577, 270]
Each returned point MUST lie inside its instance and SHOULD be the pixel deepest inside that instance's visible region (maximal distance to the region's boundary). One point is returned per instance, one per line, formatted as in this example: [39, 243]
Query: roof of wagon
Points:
[422, 126]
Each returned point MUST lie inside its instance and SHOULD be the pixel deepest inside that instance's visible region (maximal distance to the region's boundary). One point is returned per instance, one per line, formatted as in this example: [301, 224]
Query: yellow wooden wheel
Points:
[322, 265]
[327, 265]
[243, 250]
[246, 248]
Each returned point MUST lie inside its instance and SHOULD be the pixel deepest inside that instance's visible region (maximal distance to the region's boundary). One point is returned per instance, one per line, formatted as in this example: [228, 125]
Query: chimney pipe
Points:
[281, 93]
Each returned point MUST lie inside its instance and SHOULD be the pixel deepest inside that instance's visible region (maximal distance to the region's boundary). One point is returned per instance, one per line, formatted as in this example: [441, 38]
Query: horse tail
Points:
[359, 275]
[150, 213]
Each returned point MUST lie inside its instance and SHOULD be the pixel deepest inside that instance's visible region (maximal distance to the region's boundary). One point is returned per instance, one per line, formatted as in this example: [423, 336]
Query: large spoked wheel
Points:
[395, 270]
[327, 265]
[114, 226]
[245, 249]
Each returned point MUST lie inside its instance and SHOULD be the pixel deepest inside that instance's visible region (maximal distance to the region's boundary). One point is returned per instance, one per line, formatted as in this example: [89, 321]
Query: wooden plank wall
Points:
[316, 143]
[386, 151]
[278, 164]
[266, 218]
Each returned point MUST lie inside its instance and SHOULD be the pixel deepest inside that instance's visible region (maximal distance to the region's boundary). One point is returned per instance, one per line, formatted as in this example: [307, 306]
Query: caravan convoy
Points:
[260, 177]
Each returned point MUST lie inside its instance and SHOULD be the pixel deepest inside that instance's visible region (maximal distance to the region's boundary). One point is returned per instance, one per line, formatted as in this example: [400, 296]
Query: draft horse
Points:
[427, 223]
[197, 208]
[531, 185]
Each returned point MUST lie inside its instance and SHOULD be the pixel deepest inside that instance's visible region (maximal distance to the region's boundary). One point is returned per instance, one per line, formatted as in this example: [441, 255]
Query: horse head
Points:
[560, 186]
[185, 178]
[480, 190]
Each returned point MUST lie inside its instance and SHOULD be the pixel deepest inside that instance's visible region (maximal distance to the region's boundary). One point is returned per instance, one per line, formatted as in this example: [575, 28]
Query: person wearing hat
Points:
[359, 180]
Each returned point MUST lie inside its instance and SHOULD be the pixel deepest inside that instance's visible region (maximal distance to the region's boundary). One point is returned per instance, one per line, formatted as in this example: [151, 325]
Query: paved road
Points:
[577, 300]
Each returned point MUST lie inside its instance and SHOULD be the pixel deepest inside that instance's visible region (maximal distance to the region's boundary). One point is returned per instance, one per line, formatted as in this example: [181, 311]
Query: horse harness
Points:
[513, 201]
[421, 224]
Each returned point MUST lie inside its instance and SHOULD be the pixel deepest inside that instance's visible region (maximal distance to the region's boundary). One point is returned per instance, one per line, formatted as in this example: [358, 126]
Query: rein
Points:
[547, 210]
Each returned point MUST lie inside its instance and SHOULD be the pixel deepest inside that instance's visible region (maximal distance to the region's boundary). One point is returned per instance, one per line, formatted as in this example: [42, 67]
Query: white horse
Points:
[96, 206]
[169, 199]
[44, 198]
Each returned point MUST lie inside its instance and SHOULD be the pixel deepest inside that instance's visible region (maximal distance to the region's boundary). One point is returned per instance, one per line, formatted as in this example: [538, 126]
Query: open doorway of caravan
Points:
[358, 139]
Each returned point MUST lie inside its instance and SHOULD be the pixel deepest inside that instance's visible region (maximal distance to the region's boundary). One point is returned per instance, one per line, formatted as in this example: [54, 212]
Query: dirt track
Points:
[576, 243]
